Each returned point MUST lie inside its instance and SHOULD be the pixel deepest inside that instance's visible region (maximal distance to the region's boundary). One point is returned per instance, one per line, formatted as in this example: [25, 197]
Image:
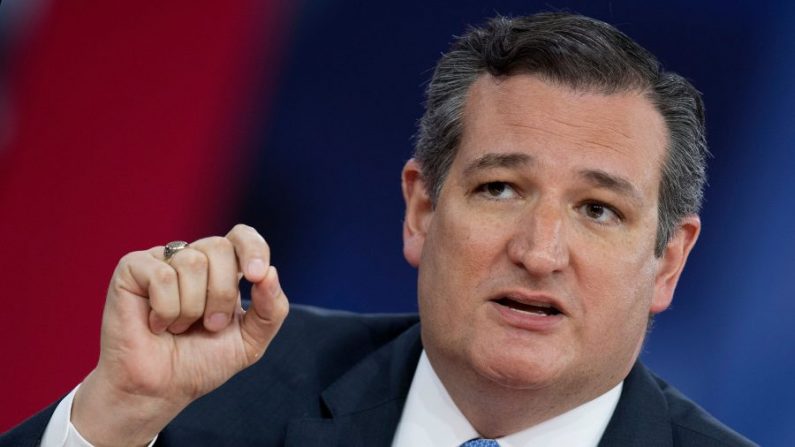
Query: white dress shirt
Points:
[60, 432]
[431, 418]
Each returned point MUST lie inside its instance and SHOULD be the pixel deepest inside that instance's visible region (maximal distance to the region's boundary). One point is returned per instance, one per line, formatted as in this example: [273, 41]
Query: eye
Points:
[601, 213]
[497, 190]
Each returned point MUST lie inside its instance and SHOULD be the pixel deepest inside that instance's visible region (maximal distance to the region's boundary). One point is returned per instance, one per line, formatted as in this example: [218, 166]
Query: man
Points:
[550, 208]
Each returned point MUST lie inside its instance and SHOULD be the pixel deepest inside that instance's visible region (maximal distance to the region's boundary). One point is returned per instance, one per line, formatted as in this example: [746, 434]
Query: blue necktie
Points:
[480, 442]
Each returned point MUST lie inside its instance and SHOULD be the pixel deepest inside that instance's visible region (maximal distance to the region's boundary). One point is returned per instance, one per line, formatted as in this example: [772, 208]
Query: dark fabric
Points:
[340, 379]
[651, 413]
[28, 433]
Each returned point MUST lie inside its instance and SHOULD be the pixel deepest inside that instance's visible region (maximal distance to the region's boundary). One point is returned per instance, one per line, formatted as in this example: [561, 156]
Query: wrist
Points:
[106, 416]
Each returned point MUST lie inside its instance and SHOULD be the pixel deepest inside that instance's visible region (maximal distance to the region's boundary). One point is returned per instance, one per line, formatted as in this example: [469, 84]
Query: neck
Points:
[496, 410]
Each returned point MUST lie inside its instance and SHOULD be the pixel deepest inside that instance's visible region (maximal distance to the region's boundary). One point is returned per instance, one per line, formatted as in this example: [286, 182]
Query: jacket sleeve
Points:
[29, 432]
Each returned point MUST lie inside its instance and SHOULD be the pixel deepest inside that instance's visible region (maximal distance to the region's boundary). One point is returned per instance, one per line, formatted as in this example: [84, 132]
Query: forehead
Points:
[556, 124]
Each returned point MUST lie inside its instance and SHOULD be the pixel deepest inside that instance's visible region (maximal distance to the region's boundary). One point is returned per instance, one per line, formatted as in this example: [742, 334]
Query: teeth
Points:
[533, 308]
[531, 312]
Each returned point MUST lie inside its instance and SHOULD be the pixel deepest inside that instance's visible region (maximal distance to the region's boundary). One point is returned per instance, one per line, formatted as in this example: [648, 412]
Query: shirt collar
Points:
[431, 418]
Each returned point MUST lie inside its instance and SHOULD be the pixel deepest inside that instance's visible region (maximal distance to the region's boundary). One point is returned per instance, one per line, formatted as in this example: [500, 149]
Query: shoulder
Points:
[652, 413]
[329, 332]
[321, 344]
[692, 425]
[343, 321]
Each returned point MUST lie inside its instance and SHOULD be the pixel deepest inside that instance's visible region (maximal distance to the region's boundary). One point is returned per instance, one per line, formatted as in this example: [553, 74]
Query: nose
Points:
[539, 242]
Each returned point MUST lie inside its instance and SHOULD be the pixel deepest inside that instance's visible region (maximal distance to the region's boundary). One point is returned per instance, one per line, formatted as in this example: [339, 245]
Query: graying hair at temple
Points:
[584, 54]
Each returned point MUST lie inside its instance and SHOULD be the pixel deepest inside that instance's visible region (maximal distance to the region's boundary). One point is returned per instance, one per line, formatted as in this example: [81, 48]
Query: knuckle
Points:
[223, 295]
[241, 228]
[218, 243]
[260, 248]
[130, 258]
[164, 275]
[117, 285]
[247, 231]
[281, 307]
[125, 260]
[192, 259]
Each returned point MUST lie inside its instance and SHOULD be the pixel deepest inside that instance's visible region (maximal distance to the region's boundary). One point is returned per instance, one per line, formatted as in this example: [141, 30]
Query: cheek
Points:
[466, 244]
[615, 275]
[621, 252]
[461, 253]
[616, 303]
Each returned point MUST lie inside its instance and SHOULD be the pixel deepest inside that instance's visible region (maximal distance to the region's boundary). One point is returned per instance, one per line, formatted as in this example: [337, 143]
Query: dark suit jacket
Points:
[341, 379]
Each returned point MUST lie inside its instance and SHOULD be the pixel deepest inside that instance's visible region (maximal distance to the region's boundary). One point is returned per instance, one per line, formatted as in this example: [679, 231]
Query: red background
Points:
[128, 120]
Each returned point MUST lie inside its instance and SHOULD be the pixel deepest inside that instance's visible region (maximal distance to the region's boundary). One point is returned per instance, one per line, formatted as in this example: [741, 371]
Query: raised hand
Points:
[173, 330]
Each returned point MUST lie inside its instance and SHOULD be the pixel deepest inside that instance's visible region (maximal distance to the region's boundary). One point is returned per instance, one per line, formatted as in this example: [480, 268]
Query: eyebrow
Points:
[492, 160]
[602, 179]
[595, 177]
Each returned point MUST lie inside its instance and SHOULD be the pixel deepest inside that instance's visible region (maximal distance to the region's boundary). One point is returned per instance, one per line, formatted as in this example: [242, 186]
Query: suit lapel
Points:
[641, 417]
[365, 404]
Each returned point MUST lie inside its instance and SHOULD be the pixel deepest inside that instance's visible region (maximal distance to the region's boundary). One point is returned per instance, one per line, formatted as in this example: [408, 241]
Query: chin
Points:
[517, 369]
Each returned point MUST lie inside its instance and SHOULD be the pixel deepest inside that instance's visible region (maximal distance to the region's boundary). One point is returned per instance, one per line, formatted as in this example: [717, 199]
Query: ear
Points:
[673, 262]
[419, 211]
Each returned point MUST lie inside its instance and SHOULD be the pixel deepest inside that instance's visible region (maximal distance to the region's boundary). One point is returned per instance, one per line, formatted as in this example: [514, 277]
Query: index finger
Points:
[253, 253]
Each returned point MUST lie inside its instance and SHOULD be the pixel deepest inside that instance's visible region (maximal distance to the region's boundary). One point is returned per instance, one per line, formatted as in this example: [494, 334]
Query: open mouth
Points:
[543, 309]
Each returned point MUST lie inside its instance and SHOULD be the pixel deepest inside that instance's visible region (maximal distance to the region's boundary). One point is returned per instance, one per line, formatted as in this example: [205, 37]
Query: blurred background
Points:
[125, 125]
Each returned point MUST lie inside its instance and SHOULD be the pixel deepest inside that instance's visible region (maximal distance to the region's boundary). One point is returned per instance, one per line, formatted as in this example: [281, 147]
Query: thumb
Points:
[269, 307]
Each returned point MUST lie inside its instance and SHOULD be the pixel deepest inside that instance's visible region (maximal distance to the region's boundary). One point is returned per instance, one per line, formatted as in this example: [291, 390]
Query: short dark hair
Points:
[584, 54]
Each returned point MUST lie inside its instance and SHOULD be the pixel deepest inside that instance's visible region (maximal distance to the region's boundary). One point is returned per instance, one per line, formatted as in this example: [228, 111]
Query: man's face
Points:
[537, 266]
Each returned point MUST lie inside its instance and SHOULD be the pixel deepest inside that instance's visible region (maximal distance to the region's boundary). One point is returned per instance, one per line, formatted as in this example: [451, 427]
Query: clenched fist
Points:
[174, 330]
